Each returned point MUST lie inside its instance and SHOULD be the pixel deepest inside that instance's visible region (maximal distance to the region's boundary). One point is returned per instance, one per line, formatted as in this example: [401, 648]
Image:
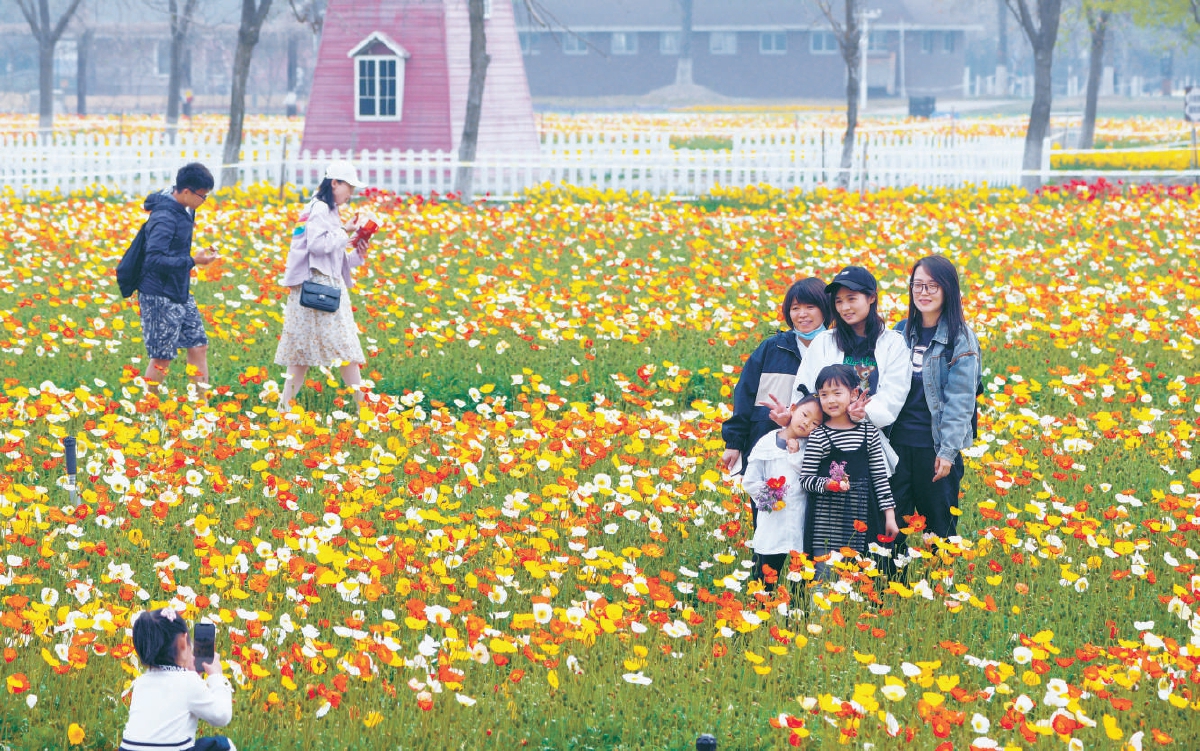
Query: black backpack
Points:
[900, 327]
[129, 270]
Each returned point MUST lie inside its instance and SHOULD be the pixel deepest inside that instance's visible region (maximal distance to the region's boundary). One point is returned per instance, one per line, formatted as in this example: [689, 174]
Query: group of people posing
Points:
[844, 427]
[322, 250]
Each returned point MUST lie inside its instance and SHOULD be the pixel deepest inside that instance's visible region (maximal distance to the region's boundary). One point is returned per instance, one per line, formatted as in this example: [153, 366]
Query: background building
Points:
[772, 49]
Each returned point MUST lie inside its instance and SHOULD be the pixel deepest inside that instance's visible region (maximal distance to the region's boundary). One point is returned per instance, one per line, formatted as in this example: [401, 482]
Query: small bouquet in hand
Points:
[368, 225]
[839, 482]
[772, 500]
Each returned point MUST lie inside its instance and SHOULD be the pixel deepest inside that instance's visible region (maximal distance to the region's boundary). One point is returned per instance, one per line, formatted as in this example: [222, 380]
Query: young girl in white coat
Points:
[772, 482]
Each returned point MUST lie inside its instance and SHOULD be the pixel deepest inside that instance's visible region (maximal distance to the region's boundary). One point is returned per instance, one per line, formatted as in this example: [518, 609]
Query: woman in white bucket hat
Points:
[315, 338]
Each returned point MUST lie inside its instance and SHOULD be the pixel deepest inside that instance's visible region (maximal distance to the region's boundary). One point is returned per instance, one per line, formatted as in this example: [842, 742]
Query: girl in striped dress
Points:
[845, 473]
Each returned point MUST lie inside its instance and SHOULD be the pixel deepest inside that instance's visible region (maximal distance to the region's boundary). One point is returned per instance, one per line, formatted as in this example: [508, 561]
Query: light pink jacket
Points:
[319, 244]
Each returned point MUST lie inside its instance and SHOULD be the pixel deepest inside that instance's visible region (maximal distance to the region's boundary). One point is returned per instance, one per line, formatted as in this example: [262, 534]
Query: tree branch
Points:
[839, 31]
[27, 10]
[537, 11]
[64, 20]
[1020, 9]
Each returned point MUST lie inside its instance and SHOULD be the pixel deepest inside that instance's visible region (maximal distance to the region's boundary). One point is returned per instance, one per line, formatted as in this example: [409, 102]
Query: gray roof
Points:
[748, 15]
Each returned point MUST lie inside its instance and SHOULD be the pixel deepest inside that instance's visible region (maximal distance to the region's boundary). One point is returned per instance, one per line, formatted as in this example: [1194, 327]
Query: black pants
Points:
[914, 490]
[778, 563]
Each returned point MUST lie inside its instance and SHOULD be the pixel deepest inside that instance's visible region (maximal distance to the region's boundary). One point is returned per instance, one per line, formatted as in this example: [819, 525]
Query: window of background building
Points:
[927, 42]
[948, 41]
[722, 43]
[772, 42]
[574, 44]
[529, 42]
[822, 43]
[379, 81]
[669, 43]
[877, 41]
[163, 58]
[624, 43]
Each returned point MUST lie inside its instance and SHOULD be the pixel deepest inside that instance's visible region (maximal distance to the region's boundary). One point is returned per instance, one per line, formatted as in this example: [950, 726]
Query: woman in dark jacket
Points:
[771, 371]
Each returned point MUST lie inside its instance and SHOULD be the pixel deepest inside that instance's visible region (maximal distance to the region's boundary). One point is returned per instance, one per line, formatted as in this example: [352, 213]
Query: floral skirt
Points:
[317, 339]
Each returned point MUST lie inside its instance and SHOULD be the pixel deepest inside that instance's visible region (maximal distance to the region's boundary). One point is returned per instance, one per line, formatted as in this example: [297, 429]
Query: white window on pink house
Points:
[379, 64]
[670, 42]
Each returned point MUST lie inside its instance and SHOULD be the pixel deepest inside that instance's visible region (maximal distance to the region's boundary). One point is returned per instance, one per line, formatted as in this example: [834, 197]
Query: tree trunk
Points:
[47, 34]
[83, 47]
[248, 30]
[293, 45]
[851, 52]
[1042, 33]
[1099, 29]
[470, 136]
[174, 83]
[1039, 118]
[683, 68]
[1002, 48]
[46, 85]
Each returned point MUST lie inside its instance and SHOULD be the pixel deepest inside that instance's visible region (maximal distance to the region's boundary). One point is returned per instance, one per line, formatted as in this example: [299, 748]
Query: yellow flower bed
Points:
[1164, 159]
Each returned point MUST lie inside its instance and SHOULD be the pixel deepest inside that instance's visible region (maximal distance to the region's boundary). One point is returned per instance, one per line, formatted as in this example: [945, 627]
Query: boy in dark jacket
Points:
[170, 319]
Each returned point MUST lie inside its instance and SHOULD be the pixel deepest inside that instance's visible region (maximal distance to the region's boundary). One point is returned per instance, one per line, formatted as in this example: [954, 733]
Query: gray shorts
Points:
[168, 327]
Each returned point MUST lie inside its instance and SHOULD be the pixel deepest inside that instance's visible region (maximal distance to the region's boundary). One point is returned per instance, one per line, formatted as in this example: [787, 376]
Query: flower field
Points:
[523, 539]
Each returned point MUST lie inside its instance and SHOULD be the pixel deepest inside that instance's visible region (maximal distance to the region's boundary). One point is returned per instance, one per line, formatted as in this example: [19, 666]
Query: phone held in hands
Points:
[204, 642]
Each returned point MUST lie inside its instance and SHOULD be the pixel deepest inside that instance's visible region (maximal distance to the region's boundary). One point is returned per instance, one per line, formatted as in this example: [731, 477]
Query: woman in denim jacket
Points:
[936, 423]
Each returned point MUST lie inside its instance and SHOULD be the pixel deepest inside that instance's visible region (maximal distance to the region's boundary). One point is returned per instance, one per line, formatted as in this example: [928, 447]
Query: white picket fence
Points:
[630, 162]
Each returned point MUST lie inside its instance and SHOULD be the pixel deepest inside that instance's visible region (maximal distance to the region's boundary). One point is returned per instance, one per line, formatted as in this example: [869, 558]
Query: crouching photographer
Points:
[170, 697]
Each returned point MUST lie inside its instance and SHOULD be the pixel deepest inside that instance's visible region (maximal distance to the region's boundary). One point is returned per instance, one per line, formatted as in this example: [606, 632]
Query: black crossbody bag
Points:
[322, 297]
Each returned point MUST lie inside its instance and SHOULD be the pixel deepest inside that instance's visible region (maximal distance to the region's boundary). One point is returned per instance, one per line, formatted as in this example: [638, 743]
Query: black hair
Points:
[944, 275]
[154, 638]
[844, 333]
[808, 399]
[194, 176]
[325, 193]
[840, 374]
[810, 291]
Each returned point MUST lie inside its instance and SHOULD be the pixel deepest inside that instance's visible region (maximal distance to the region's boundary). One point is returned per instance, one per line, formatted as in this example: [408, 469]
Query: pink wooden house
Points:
[392, 74]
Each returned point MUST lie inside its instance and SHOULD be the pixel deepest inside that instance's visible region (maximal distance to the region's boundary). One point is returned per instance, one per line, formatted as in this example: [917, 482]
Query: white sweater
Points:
[778, 531]
[166, 705]
[895, 372]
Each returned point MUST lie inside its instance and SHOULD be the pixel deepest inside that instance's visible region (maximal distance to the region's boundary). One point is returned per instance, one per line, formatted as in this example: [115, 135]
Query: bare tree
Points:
[1040, 24]
[683, 68]
[47, 34]
[180, 23]
[1002, 48]
[254, 13]
[83, 48]
[848, 36]
[1097, 21]
[311, 13]
[470, 136]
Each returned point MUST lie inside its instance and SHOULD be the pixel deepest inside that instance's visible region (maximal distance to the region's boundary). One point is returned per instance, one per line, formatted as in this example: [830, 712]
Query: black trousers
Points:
[778, 563]
[914, 490]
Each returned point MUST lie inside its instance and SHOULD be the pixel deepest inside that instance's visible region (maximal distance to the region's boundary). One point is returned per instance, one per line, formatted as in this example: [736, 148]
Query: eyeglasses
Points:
[931, 287]
[202, 196]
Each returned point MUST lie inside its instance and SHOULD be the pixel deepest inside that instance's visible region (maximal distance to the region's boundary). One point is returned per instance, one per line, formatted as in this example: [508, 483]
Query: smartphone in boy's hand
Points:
[204, 639]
